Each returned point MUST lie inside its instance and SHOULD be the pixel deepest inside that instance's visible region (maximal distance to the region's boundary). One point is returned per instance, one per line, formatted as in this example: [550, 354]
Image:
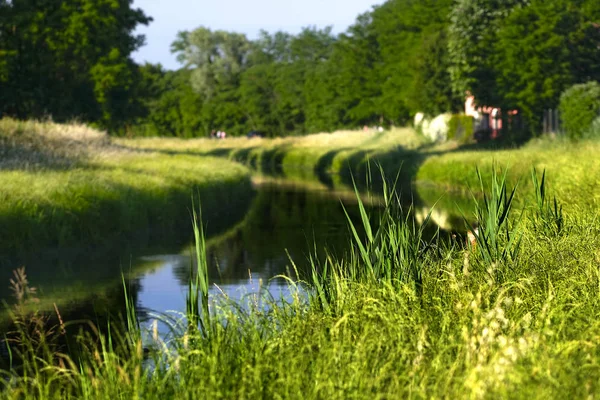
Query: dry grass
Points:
[405, 137]
[35, 145]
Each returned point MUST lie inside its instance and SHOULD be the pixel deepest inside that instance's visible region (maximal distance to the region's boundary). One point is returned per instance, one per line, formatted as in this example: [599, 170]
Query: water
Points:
[247, 248]
[284, 226]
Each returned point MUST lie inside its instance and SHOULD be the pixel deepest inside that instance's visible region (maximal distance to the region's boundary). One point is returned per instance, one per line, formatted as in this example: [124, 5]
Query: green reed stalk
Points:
[498, 239]
[134, 332]
[197, 310]
[394, 251]
[548, 218]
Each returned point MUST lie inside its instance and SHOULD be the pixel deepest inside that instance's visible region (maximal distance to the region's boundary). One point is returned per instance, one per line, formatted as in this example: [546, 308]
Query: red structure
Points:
[486, 118]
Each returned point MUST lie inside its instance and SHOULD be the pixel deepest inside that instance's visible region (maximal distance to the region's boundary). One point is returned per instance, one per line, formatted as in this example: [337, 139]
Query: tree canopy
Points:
[71, 59]
[522, 54]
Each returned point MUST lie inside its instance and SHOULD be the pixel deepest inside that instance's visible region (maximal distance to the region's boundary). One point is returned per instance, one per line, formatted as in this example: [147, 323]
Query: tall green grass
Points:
[197, 310]
[368, 330]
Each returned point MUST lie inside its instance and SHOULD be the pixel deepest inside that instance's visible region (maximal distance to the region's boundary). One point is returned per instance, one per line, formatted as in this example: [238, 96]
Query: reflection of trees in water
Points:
[280, 219]
[449, 208]
[86, 282]
[87, 270]
[301, 222]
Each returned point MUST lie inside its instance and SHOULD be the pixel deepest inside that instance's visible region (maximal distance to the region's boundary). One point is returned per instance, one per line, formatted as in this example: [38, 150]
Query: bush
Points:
[436, 129]
[579, 107]
[460, 128]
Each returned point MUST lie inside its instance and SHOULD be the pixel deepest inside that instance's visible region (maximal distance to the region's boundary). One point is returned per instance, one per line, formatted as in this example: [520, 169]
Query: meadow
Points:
[68, 185]
[510, 313]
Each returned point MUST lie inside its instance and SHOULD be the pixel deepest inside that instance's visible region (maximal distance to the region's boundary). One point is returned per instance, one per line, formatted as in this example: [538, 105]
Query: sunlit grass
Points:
[338, 139]
[463, 332]
[64, 184]
[572, 168]
[298, 157]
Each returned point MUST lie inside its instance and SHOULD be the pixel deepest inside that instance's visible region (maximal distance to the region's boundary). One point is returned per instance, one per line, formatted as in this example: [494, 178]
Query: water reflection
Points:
[288, 221]
[93, 272]
[285, 223]
[247, 246]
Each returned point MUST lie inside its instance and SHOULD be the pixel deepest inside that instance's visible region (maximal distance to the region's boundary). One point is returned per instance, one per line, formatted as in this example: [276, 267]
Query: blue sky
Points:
[244, 16]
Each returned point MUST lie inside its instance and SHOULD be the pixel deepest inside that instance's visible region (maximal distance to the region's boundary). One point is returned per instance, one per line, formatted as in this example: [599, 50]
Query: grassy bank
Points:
[334, 158]
[64, 185]
[311, 157]
[399, 317]
[573, 168]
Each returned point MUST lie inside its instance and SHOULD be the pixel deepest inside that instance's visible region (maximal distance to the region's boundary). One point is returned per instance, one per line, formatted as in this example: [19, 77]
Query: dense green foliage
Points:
[460, 127]
[391, 63]
[71, 60]
[522, 54]
[579, 107]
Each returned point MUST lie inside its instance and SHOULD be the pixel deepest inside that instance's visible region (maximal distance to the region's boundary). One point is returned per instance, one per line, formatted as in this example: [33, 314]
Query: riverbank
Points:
[398, 317]
[325, 156]
[511, 315]
[572, 168]
[67, 185]
[340, 158]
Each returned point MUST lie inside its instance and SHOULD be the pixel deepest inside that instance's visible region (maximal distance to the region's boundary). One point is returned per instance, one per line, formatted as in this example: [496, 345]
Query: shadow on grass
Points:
[323, 166]
[357, 165]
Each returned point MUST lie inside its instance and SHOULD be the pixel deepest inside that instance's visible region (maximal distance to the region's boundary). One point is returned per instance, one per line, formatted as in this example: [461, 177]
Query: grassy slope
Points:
[63, 185]
[306, 157]
[526, 327]
[572, 167]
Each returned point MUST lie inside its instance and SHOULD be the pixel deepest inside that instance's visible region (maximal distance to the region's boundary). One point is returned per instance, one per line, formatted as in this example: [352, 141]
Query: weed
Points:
[548, 218]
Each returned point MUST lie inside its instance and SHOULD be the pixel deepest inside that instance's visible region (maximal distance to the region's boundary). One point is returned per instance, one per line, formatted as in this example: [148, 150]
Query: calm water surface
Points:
[253, 245]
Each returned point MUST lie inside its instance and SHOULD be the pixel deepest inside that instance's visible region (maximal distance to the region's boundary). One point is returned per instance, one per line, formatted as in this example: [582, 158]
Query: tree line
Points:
[72, 60]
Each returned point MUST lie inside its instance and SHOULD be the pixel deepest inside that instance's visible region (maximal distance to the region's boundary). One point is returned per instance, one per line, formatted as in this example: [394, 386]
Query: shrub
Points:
[580, 106]
[436, 129]
[460, 128]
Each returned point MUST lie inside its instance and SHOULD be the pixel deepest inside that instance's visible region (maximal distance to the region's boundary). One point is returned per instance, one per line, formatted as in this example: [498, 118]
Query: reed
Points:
[498, 238]
[197, 307]
[548, 216]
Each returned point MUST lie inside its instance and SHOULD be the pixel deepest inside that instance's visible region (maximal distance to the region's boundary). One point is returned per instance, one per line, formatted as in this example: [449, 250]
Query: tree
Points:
[352, 74]
[172, 107]
[216, 58]
[542, 49]
[257, 97]
[432, 92]
[579, 108]
[403, 30]
[472, 35]
[70, 59]
[257, 91]
[216, 61]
